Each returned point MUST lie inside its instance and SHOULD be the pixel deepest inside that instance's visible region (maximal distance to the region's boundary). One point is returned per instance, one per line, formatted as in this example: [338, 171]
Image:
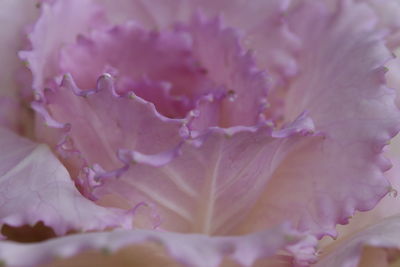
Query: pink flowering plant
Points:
[199, 133]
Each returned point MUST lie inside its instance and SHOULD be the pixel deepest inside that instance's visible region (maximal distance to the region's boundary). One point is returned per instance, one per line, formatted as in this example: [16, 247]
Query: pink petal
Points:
[389, 20]
[10, 113]
[100, 122]
[195, 191]
[12, 39]
[59, 24]
[265, 30]
[208, 113]
[227, 64]
[34, 187]
[342, 87]
[388, 206]
[159, 93]
[153, 14]
[347, 253]
[185, 249]
[393, 75]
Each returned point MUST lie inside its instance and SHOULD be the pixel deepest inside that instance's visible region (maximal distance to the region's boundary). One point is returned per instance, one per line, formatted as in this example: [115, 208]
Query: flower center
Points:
[157, 66]
[173, 69]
